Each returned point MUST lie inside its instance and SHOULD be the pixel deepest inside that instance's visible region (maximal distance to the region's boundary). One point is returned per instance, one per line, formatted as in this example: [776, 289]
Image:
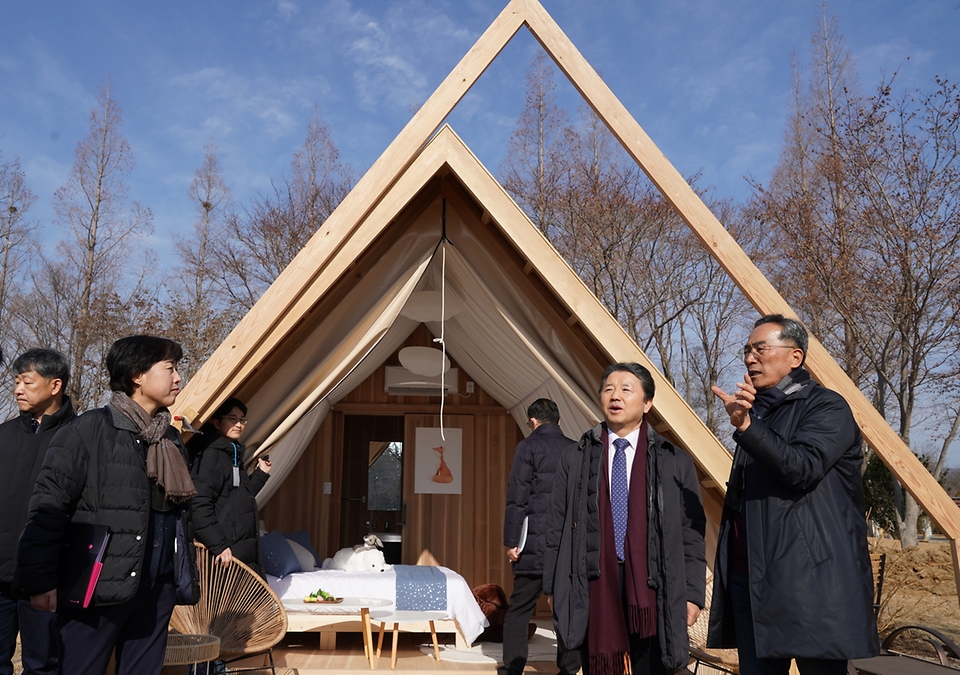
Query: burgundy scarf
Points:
[608, 627]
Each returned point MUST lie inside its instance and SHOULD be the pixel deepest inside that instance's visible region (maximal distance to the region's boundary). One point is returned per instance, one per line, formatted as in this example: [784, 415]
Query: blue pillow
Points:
[279, 560]
[302, 537]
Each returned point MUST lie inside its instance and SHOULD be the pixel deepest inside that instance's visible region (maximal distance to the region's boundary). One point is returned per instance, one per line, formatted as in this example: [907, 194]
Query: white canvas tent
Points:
[528, 328]
[291, 370]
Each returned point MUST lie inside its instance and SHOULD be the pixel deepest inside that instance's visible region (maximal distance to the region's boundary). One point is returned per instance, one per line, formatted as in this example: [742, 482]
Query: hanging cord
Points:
[443, 344]
[443, 309]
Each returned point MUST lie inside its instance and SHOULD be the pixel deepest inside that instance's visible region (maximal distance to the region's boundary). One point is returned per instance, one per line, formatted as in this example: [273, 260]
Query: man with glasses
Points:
[225, 511]
[41, 381]
[792, 577]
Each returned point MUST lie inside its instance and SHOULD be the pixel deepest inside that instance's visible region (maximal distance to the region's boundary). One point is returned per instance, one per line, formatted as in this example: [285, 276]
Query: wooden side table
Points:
[335, 612]
[396, 618]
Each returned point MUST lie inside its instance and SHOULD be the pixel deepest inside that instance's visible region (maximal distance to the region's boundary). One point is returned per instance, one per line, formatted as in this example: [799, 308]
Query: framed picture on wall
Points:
[438, 462]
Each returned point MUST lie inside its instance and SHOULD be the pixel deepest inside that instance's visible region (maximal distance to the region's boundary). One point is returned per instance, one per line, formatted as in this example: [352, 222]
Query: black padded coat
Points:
[811, 584]
[226, 516]
[95, 471]
[528, 494]
[21, 455]
[675, 545]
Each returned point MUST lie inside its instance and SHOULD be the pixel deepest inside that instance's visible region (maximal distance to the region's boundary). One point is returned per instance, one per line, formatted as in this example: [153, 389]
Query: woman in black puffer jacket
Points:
[122, 466]
[225, 511]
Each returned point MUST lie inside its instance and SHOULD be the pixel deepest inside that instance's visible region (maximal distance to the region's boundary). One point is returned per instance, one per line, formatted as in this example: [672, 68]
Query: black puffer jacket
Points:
[95, 471]
[21, 455]
[675, 546]
[811, 586]
[528, 494]
[226, 516]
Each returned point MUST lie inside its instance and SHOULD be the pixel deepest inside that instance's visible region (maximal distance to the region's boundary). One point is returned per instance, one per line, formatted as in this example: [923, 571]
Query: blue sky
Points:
[709, 81]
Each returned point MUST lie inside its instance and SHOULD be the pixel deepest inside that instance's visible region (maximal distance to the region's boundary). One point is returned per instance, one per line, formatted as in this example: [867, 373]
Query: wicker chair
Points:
[237, 606]
[707, 661]
[878, 562]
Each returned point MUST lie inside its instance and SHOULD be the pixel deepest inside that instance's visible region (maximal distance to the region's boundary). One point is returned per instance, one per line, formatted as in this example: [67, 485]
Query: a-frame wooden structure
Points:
[294, 294]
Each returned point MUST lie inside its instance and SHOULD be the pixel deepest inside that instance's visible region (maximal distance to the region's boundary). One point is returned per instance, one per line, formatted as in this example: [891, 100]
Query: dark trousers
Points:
[750, 663]
[137, 629]
[523, 603]
[38, 637]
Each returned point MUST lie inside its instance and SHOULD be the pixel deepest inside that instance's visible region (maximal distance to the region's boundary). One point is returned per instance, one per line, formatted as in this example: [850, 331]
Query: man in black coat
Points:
[42, 377]
[528, 503]
[792, 577]
[624, 558]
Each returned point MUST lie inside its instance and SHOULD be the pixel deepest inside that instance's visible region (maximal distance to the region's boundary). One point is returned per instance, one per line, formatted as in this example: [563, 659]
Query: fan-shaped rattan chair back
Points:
[236, 605]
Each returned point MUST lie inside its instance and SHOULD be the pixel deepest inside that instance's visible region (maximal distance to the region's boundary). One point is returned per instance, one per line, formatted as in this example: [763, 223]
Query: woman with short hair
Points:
[125, 467]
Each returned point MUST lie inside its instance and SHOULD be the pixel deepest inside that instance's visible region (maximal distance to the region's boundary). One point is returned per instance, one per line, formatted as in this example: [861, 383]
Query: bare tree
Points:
[86, 297]
[866, 203]
[15, 249]
[201, 313]
[260, 242]
[622, 237]
[534, 170]
[709, 351]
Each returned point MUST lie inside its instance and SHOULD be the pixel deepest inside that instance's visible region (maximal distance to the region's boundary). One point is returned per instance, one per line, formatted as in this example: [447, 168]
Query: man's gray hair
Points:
[791, 330]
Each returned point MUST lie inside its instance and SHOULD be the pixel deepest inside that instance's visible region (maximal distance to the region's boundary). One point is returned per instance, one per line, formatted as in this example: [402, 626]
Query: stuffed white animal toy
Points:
[370, 542]
[363, 560]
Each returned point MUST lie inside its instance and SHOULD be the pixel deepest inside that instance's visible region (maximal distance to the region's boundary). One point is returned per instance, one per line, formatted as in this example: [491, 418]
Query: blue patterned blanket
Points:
[420, 588]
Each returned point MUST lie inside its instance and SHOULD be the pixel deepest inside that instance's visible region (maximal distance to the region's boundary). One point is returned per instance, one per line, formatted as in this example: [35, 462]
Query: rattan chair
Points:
[878, 562]
[708, 661]
[237, 606]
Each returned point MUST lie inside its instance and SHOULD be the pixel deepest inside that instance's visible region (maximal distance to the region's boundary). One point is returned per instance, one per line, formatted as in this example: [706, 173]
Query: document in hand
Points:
[81, 559]
[523, 534]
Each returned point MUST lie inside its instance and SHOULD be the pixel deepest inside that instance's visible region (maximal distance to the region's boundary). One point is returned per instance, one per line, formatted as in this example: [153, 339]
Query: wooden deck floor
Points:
[301, 653]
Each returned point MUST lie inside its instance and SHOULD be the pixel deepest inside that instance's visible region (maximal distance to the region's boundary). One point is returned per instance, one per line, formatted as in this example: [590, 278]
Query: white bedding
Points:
[461, 604]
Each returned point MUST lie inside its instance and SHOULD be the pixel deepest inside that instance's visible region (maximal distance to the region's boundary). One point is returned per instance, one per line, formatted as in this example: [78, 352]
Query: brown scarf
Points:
[609, 624]
[165, 464]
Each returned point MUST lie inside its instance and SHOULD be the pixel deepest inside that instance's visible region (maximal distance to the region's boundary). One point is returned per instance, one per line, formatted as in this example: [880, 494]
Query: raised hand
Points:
[738, 405]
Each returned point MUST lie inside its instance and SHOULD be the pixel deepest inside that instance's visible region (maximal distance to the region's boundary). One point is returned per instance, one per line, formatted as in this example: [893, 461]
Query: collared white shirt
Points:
[631, 452]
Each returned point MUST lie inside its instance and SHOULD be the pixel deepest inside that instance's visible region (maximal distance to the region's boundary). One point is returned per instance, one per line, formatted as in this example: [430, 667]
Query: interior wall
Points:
[463, 532]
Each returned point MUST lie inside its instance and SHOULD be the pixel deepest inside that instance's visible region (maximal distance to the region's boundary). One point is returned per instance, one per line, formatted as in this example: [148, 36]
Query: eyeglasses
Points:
[233, 421]
[759, 350]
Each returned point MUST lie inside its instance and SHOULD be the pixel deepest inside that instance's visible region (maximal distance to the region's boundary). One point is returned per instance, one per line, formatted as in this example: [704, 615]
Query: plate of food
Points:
[321, 597]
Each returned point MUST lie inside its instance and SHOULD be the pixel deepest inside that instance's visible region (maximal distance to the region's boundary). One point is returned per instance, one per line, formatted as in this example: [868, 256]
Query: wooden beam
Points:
[876, 430]
[263, 326]
[594, 319]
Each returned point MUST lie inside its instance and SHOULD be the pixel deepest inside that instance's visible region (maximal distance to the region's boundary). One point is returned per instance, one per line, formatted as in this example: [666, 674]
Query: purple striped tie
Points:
[619, 493]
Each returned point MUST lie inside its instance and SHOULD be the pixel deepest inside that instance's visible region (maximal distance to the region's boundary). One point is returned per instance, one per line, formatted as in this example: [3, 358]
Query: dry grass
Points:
[919, 588]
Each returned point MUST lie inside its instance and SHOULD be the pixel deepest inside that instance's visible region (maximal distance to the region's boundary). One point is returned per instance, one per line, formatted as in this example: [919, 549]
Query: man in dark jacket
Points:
[525, 522]
[792, 577]
[42, 377]
[624, 555]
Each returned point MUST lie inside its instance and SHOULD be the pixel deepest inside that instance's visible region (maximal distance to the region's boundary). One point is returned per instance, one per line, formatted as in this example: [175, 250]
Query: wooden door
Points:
[356, 519]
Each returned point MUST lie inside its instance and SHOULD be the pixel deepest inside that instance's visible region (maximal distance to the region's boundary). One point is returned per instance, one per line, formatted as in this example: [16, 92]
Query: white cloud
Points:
[228, 102]
[287, 9]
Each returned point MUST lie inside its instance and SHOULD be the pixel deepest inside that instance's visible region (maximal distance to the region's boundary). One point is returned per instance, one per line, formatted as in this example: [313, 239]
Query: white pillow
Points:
[304, 557]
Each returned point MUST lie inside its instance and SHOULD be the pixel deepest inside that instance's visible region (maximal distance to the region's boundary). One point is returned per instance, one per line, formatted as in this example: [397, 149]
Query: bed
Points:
[464, 617]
